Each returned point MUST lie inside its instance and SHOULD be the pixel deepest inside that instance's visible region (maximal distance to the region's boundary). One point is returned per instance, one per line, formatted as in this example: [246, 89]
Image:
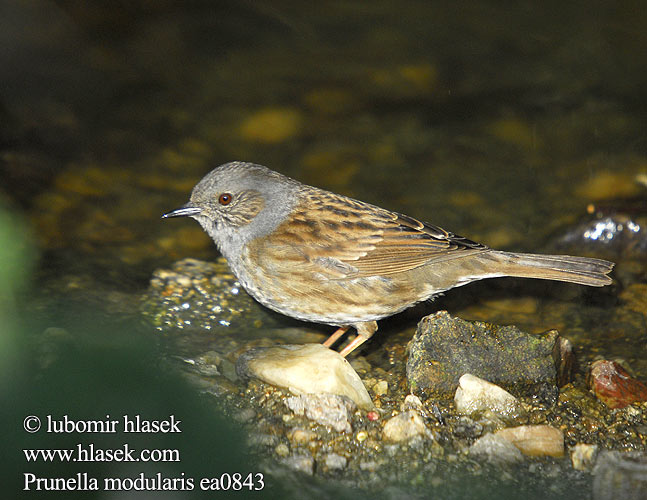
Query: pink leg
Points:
[364, 332]
[335, 336]
[357, 341]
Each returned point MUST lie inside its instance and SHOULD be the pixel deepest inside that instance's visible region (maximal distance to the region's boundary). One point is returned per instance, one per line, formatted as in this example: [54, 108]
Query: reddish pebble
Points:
[372, 416]
[614, 386]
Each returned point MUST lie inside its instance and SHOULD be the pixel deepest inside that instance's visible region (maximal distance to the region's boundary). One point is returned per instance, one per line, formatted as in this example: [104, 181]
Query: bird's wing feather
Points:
[340, 237]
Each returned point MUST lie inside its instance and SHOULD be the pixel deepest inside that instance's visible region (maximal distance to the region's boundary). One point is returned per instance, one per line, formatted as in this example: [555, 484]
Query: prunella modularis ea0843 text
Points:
[323, 257]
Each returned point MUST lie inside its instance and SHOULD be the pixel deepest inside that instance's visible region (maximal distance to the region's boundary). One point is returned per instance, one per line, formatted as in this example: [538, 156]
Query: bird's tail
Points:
[581, 270]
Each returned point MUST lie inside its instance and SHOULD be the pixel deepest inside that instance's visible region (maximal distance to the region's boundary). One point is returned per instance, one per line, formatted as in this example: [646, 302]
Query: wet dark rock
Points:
[229, 370]
[467, 428]
[202, 295]
[620, 476]
[612, 228]
[327, 409]
[614, 386]
[211, 372]
[244, 415]
[444, 348]
[207, 363]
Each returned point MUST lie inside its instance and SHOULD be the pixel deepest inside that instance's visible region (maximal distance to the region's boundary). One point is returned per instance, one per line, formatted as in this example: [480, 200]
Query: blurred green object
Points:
[55, 366]
[17, 254]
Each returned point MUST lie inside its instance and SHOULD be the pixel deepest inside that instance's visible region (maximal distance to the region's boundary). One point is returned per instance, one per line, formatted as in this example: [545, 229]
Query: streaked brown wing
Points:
[341, 237]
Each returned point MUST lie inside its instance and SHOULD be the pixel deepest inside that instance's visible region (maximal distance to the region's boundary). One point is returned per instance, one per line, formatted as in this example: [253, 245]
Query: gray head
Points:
[239, 201]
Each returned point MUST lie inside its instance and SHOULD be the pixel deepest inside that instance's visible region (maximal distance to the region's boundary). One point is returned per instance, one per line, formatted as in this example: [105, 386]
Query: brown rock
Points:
[535, 440]
[614, 386]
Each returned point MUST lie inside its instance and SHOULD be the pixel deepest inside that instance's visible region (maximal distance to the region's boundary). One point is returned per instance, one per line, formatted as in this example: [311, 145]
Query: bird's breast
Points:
[299, 290]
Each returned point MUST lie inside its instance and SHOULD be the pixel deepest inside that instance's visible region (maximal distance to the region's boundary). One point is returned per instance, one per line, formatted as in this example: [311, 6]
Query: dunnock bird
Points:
[322, 257]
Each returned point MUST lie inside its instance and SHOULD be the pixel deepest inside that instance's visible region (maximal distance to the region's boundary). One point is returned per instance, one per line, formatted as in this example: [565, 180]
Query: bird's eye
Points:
[225, 199]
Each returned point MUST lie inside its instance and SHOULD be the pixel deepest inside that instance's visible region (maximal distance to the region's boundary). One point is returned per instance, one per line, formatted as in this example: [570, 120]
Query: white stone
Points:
[381, 388]
[583, 456]
[412, 402]
[306, 369]
[475, 396]
[405, 426]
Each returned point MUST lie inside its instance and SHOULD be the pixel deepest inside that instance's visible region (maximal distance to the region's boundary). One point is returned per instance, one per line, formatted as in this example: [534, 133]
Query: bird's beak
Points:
[186, 210]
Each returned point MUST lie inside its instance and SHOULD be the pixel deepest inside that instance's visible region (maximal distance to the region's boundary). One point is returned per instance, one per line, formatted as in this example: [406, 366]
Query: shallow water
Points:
[496, 122]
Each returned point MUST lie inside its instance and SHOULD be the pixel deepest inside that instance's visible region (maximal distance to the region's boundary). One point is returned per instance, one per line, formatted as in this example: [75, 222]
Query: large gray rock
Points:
[444, 348]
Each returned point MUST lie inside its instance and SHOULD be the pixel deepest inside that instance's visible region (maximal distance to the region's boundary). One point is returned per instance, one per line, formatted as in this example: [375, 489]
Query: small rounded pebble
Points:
[476, 396]
[405, 426]
[301, 463]
[334, 461]
[361, 436]
[583, 456]
[495, 449]
[381, 388]
[282, 450]
[327, 409]
[301, 436]
[372, 416]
